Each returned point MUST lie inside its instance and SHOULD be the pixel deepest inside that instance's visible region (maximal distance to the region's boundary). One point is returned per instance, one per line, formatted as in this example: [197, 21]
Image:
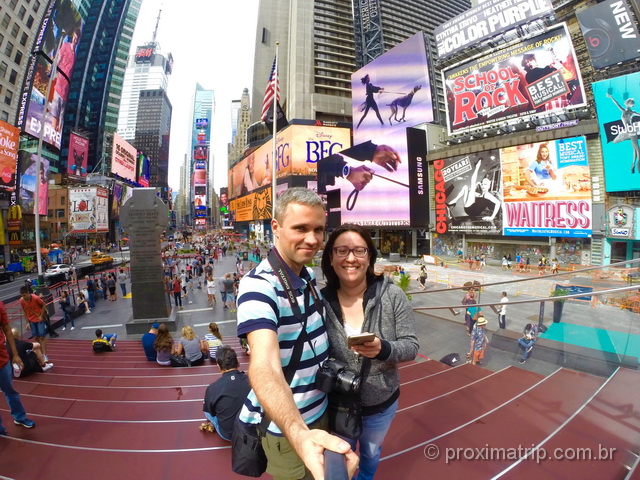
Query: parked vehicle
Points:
[5, 275]
[56, 269]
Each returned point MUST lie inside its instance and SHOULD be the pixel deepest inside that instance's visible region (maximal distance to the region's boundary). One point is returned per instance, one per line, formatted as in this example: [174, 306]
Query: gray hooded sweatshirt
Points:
[390, 317]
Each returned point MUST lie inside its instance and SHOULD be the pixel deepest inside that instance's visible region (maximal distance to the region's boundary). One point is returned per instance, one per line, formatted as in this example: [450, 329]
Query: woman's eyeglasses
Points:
[359, 252]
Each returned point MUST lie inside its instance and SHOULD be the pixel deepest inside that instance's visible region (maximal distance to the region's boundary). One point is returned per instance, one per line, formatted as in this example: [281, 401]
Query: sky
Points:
[212, 44]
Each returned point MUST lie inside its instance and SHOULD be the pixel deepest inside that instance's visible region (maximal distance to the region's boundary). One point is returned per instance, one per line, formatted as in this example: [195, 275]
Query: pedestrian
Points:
[103, 286]
[483, 261]
[554, 265]
[529, 337]
[230, 292]
[6, 379]
[540, 267]
[65, 306]
[91, 292]
[34, 309]
[527, 265]
[478, 341]
[211, 289]
[505, 262]
[111, 285]
[122, 281]
[502, 313]
[422, 278]
[176, 289]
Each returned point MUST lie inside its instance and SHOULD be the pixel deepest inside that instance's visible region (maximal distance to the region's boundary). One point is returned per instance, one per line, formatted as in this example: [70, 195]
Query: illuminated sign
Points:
[145, 54]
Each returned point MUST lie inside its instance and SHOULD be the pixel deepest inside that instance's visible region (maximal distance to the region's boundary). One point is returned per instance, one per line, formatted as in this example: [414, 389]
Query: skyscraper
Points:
[200, 171]
[242, 122]
[317, 48]
[148, 69]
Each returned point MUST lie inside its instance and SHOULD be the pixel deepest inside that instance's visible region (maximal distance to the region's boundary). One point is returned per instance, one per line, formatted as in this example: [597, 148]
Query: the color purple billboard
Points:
[539, 74]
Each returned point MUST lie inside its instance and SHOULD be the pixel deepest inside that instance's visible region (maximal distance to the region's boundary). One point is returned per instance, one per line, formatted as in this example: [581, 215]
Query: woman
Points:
[192, 347]
[629, 132]
[211, 289]
[370, 102]
[541, 169]
[164, 346]
[111, 285]
[65, 305]
[478, 341]
[214, 340]
[422, 278]
[359, 301]
[83, 305]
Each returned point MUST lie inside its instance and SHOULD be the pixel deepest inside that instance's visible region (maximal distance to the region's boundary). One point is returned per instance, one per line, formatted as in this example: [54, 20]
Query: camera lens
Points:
[348, 382]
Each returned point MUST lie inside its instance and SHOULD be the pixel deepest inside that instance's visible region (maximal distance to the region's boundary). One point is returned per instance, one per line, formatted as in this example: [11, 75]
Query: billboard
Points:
[88, 210]
[537, 189]
[28, 178]
[469, 194]
[362, 185]
[200, 152]
[202, 123]
[298, 150]
[610, 33]
[9, 138]
[392, 92]
[143, 170]
[485, 21]
[144, 54]
[255, 206]
[58, 39]
[547, 189]
[78, 156]
[619, 130]
[535, 75]
[123, 158]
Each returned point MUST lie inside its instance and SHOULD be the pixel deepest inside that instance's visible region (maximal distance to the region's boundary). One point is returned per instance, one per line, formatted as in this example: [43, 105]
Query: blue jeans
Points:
[13, 397]
[216, 425]
[525, 344]
[123, 287]
[374, 429]
[91, 299]
[66, 318]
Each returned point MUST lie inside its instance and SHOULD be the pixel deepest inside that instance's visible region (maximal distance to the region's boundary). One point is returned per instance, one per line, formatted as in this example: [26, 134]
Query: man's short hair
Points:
[504, 294]
[98, 333]
[226, 358]
[300, 195]
[24, 289]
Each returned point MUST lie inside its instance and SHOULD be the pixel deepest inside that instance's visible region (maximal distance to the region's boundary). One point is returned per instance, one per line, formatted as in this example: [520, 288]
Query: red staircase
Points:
[116, 415]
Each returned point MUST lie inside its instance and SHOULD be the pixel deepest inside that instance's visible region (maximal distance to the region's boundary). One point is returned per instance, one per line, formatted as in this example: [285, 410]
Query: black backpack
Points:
[99, 347]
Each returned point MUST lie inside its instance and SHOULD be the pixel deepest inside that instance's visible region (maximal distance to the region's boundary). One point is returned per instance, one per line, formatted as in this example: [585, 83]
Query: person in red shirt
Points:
[34, 309]
[6, 381]
[177, 290]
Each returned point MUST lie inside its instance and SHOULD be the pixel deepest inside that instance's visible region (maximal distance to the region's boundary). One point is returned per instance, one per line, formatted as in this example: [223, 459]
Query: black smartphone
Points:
[335, 466]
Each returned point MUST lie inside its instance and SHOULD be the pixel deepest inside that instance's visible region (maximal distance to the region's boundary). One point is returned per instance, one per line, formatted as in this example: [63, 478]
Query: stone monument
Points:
[144, 216]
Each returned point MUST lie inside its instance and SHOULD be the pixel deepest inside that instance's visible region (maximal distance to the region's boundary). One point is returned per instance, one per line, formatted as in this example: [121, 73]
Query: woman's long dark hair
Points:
[163, 342]
[333, 282]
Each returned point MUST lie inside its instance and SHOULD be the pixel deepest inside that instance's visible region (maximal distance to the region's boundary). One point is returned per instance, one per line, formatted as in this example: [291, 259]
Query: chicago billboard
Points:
[610, 33]
[78, 156]
[619, 122]
[123, 158]
[485, 21]
[9, 138]
[536, 75]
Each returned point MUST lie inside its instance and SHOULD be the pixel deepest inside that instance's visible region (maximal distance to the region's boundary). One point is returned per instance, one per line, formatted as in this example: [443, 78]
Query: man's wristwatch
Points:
[345, 171]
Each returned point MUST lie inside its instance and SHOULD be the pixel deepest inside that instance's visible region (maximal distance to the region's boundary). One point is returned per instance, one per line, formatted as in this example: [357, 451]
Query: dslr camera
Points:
[333, 376]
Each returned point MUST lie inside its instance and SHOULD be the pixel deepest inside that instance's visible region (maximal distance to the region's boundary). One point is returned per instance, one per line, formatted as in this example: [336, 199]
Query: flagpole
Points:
[275, 130]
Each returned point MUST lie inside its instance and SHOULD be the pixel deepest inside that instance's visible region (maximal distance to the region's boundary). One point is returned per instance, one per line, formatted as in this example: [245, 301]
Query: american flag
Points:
[268, 93]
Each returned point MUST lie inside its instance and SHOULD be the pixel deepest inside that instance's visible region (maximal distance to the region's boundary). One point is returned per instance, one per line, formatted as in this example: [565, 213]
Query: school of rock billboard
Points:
[539, 74]
[536, 189]
[485, 21]
[610, 33]
[619, 131]
[88, 210]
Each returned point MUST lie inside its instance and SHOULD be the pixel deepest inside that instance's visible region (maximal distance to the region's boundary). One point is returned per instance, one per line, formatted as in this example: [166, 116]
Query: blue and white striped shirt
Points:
[263, 303]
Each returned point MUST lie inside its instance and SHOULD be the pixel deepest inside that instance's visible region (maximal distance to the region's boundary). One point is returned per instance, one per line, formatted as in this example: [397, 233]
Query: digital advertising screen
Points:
[123, 158]
[9, 139]
[610, 33]
[143, 170]
[78, 156]
[144, 54]
[392, 92]
[200, 152]
[485, 21]
[547, 189]
[202, 123]
[619, 122]
[61, 19]
[540, 74]
[224, 197]
[28, 178]
[254, 206]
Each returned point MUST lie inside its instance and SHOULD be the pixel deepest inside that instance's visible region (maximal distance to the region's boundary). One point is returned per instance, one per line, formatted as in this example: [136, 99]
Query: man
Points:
[104, 342]
[502, 313]
[6, 382]
[66, 61]
[31, 356]
[294, 442]
[148, 339]
[91, 291]
[122, 281]
[230, 291]
[35, 309]
[223, 398]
